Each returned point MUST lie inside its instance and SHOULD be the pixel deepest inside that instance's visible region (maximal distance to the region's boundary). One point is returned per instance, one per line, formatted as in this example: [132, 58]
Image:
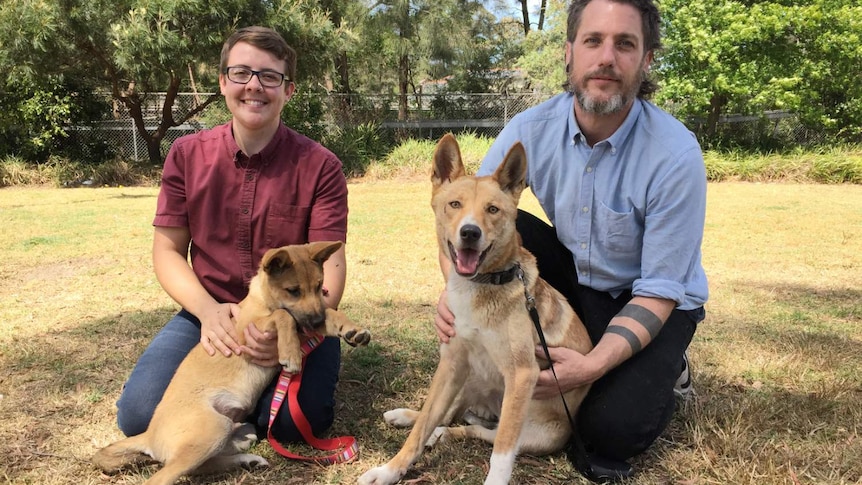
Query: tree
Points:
[726, 56]
[743, 56]
[829, 37]
[133, 49]
[543, 51]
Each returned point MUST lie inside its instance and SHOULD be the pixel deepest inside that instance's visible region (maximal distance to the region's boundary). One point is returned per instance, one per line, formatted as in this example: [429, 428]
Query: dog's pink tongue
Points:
[467, 262]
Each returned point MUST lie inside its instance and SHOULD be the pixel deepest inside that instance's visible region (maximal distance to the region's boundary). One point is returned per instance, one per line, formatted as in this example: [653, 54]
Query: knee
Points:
[623, 435]
[130, 422]
[134, 412]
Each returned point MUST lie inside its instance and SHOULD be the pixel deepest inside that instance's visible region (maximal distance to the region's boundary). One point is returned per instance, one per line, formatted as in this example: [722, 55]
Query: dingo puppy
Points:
[197, 425]
[490, 364]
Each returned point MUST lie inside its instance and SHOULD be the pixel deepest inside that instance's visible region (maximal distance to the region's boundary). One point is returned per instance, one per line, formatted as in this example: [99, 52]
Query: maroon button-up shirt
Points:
[236, 207]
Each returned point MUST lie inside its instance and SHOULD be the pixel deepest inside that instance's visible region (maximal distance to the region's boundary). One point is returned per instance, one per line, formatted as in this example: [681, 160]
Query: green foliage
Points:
[35, 119]
[357, 146]
[305, 114]
[739, 57]
[833, 166]
[135, 47]
[413, 157]
[64, 172]
[543, 58]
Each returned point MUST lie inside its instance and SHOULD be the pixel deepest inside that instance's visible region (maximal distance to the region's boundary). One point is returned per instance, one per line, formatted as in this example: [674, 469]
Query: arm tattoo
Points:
[631, 338]
[650, 321]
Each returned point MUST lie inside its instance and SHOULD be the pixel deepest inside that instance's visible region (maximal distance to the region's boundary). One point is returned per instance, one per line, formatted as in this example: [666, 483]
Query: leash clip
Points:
[519, 272]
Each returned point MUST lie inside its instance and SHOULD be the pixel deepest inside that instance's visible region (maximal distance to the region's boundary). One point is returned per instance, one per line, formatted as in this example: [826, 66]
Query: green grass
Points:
[777, 364]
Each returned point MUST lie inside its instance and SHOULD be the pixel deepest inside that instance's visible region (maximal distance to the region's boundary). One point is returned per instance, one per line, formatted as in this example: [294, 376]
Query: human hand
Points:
[218, 330]
[572, 368]
[444, 320]
[261, 347]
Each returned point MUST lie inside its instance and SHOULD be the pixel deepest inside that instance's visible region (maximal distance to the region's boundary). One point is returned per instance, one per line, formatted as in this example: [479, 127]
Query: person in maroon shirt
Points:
[229, 194]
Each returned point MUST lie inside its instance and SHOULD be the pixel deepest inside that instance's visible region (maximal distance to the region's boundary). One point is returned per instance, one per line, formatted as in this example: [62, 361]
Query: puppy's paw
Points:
[382, 475]
[247, 460]
[291, 364]
[243, 437]
[356, 336]
[439, 435]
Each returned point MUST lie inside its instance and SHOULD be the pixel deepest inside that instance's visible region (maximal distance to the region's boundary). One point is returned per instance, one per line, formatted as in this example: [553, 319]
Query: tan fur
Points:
[197, 425]
[490, 365]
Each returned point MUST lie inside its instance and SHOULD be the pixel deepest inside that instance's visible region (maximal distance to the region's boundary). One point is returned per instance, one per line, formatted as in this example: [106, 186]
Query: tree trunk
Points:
[542, 7]
[716, 105]
[525, 12]
[135, 103]
[403, 79]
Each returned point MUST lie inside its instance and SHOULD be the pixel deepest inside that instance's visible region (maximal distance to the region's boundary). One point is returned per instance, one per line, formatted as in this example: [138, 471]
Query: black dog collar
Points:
[499, 277]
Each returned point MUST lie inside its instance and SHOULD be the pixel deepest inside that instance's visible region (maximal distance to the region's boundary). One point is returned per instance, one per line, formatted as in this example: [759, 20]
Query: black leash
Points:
[607, 471]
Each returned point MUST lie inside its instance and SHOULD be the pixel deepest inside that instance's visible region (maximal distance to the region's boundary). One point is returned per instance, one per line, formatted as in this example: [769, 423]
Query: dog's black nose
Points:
[470, 233]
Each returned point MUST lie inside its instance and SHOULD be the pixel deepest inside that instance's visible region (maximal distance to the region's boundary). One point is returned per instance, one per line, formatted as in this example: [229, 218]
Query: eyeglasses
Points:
[243, 75]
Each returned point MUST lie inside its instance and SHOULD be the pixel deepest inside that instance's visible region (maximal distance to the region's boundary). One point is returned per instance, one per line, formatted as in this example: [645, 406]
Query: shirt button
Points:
[249, 177]
[589, 169]
[583, 245]
[613, 151]
[245, 211]
[585, 209]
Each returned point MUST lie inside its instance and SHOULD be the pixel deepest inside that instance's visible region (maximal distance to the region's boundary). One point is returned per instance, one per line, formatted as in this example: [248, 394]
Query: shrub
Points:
[357, 146]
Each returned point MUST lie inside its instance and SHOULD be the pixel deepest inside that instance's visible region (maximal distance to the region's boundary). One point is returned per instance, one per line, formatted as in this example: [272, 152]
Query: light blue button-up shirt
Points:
[630, 208]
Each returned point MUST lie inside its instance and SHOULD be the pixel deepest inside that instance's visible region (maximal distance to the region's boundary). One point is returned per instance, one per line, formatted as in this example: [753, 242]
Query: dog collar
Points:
[499, 277]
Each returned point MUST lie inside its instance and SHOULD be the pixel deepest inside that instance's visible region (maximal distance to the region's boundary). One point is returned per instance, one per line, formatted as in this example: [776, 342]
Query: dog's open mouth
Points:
[467, 260]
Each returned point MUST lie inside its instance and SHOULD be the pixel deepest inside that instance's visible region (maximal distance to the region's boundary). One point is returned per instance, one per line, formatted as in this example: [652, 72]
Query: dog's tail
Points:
[123, 453]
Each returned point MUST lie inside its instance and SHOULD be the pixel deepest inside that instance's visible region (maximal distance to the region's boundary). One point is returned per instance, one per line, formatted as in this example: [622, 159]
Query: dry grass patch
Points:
[777, 364]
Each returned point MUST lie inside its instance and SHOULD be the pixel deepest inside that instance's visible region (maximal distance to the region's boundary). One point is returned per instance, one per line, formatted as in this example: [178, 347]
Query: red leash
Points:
[288, 384]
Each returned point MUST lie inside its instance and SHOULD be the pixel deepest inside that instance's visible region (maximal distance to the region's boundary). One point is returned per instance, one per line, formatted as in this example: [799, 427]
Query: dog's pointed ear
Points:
[512, 173]
[321, 251]
[276, 261]
[447, 161]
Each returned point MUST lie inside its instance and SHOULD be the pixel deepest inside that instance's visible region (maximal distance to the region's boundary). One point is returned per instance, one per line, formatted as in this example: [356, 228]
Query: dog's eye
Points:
[493, 209]
[455, 204]
[294, 292]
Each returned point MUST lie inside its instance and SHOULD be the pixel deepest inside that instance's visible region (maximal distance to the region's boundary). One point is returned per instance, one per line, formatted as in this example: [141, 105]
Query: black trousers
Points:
[628, 408]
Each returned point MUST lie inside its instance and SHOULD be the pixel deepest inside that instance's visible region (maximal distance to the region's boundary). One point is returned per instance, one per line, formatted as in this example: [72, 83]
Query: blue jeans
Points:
[150, 377]
[630, 406]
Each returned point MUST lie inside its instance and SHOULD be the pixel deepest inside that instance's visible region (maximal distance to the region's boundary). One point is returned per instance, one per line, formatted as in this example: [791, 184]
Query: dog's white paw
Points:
[247, 460]
[439, 435]
[400, 418]
[382, 475]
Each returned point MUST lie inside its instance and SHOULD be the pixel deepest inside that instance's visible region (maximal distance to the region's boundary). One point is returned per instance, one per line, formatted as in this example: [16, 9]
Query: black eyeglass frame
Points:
[254, 73]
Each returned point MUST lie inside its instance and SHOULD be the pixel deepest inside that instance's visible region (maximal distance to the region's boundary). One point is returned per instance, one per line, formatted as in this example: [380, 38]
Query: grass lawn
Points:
[777, 364]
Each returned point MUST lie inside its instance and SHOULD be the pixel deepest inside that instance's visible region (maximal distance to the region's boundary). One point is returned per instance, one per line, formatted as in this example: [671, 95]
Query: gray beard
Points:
[590, 105]
[613, 105]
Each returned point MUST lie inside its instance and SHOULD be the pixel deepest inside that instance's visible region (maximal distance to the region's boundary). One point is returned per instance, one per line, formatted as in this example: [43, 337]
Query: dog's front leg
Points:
[289, 345]
[520, 383]
[447, 382]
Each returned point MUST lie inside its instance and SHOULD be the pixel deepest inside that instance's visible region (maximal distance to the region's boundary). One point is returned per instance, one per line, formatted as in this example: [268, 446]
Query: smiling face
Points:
[255, 107]
[607, 59]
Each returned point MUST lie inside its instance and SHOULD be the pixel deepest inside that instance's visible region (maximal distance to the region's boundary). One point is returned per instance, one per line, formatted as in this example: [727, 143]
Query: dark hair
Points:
[650, 24]
[265, 39]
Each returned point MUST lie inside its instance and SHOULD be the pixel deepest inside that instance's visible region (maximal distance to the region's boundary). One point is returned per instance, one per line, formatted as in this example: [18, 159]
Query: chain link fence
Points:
[426, 116]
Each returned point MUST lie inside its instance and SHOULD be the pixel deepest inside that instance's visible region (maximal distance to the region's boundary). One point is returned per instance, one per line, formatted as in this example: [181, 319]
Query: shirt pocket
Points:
[619, 232]
[286, 224]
